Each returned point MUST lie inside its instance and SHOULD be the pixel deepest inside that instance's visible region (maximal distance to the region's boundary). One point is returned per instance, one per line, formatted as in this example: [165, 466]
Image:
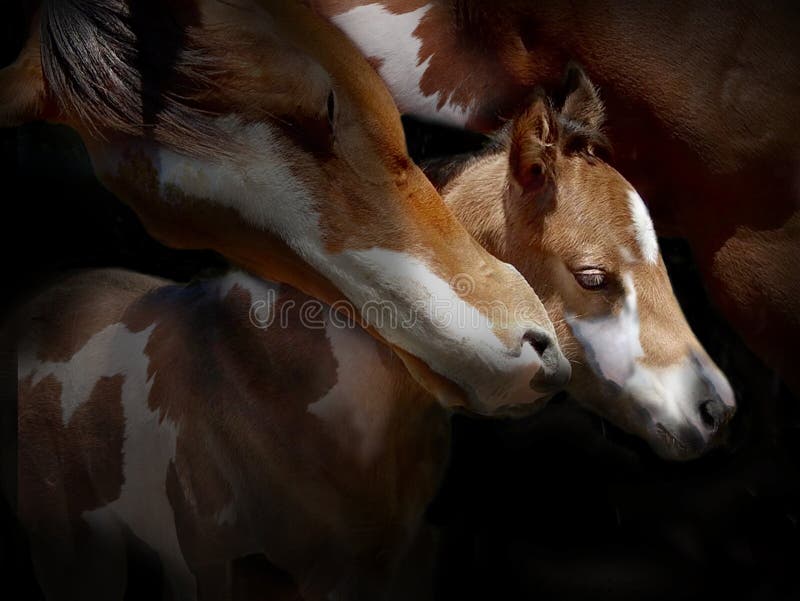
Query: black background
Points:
[559, 506]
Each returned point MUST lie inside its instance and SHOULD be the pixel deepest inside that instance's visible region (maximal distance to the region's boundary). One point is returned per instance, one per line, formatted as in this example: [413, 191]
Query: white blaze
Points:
[438, 325]
[612, 342]
[643, 227]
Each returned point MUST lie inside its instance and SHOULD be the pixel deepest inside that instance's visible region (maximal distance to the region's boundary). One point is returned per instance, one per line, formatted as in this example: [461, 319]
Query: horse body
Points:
[256, 129]
[702, 117]
[165, 415]
[235, 416]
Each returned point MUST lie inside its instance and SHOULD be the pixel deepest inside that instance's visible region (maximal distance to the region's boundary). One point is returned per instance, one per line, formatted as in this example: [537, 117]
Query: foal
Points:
[258, 130]
[233, 416]
[582, 236]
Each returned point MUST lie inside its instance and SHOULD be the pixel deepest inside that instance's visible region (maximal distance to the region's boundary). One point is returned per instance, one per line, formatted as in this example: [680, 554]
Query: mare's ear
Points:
[532, 149]
[22, 92]
[582, 102]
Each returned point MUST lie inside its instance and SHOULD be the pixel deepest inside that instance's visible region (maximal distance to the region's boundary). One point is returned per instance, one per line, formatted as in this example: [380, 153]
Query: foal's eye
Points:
[331, 107]
[591, 279]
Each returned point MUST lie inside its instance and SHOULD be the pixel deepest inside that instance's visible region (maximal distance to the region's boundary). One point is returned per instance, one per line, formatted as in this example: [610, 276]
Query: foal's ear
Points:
[22, 93]
[582, 102]
[532, 149]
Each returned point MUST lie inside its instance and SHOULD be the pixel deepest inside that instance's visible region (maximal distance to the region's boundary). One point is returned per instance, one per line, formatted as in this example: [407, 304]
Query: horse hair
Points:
[132, 68]
[572, 138]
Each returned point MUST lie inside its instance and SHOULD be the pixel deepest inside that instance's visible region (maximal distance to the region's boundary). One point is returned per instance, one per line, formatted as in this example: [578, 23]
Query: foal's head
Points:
[255, 128]
[545, 200]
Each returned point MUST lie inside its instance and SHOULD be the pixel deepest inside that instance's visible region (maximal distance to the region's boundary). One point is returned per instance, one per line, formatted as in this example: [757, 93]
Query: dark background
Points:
[559, 506]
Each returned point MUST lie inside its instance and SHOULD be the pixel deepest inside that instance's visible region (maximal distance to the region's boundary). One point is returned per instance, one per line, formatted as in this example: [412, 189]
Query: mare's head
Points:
[256, 129]
[545, 199]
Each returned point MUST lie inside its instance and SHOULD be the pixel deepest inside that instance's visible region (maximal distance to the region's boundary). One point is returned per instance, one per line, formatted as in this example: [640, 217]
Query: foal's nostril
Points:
[540, 341]
[713, 413]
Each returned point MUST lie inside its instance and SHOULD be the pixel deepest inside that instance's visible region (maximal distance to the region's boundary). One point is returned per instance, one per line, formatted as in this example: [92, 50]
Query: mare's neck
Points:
[477, 198]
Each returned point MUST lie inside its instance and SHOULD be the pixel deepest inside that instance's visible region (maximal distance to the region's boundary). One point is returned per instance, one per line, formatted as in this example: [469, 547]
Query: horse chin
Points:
[676, 442]
[514, 411]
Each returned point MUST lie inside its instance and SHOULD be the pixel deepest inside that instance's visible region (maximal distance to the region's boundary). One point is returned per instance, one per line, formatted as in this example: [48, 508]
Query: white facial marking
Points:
[612, 342]
[262, 188]
[390, 37]
[436, 324]
[643, 227]
[353, 408]
[671, 394]
[627, 256]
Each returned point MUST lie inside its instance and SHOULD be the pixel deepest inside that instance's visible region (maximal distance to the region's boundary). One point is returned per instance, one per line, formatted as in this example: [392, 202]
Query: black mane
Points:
[129, 67]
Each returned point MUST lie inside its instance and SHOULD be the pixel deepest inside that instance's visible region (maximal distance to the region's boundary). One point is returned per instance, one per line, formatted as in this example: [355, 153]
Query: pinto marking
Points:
[245, 157]
[106, 354]
[148, 450]
[347, 408]
[262, 294]
[390, 38]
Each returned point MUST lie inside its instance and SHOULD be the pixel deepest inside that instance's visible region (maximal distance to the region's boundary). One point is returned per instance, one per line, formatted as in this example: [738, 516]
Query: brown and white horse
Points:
[258, 130]
[193, 419]
[702, 101]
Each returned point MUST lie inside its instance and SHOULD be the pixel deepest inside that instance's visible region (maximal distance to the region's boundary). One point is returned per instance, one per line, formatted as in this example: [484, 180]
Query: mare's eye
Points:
[591, 278]
[331, 108]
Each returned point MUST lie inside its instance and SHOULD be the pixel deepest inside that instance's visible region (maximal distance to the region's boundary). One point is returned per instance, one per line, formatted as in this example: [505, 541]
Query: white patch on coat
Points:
[264, 291]
[148, 449]
[611, 342]
[383, 35]
[148, 446]
[355, 408]
[105, 354]
[643, 227]
[266, 192]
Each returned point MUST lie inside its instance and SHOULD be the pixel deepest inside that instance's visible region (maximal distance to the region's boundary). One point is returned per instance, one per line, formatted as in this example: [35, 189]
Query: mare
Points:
[256, 129]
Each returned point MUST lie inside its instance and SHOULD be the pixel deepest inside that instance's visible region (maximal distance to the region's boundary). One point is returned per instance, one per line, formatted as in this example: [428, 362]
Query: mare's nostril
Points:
[540, 341]
[712, 412]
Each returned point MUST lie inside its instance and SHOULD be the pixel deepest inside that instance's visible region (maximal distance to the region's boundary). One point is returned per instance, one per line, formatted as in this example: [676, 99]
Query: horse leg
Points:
[82, 564]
